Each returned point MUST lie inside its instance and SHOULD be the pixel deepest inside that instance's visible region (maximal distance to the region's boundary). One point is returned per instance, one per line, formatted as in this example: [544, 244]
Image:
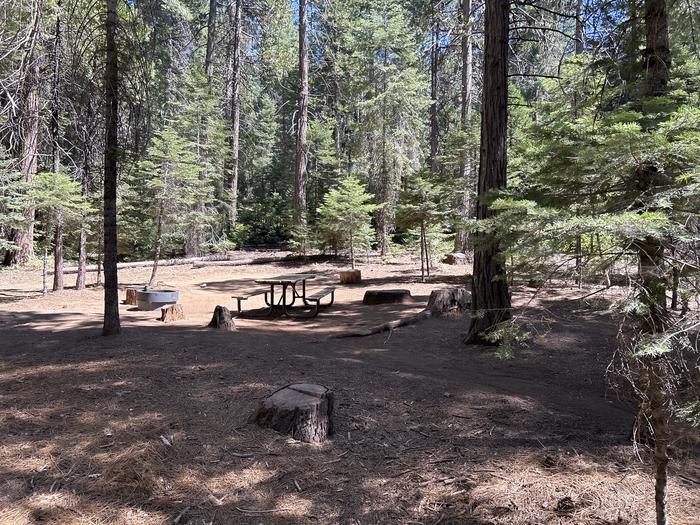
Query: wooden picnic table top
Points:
[286, 279]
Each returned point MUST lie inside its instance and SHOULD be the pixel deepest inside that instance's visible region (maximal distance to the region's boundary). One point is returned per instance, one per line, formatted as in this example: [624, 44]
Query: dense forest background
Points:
[212, 105]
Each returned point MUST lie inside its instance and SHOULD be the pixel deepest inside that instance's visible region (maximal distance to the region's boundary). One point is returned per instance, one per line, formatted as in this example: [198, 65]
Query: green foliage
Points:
[59, 195]
[690, 412]
[509, 336]
[164, 188]
[422, 211]
[345, 218]
[266, 221]
[12, 199]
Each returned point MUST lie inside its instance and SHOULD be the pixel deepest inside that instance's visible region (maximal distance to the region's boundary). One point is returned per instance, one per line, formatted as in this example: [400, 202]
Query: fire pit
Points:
[151, 299]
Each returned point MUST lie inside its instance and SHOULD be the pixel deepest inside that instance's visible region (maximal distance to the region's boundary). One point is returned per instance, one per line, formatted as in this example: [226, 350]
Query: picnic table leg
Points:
[271, 303]
[294, 294]
[303, 294]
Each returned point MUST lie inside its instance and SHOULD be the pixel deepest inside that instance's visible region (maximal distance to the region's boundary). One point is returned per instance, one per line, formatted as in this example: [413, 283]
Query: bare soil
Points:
[152, 426]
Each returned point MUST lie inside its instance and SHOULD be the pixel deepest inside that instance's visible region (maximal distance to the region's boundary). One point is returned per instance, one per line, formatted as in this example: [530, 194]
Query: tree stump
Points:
[303, 411]
[387, 297]
[456, 258]
[171, 313]
[350, 276]
[222, 320]
[130, 296]
[446, 299]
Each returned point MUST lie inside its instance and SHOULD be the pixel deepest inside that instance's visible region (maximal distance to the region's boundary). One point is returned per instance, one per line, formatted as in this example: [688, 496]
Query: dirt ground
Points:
[428, 430]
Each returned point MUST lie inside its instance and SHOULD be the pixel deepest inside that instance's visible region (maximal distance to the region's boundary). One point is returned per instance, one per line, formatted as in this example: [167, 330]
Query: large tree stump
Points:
[130, 296]
[171, 313]
[446, 299]
[303, 411]
[387, 297]
[222, 320]
[456, 258]
[350, 276]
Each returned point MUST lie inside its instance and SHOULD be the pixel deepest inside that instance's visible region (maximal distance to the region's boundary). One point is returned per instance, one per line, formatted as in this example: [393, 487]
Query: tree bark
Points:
[222, 320]
[653, 280]
[159, 245]
[56, 157]
[579, 30]
[55, 86]
[490, 297]
[211, 36]
[82, 245]
[235, 8]
[434, 87]
[58, 253]
[44, 273]
[461, 237]
[29, 123]
[302, 147]
[657, 52]
[303, 411]
[111, 325]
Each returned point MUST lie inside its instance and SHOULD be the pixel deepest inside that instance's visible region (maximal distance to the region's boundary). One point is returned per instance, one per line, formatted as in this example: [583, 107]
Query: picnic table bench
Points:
[289, 283]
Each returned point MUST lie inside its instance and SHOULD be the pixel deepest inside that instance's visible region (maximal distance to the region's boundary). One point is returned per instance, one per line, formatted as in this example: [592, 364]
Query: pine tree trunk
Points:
[579, 35]
[422, 252]
[56, 81]
[235, 105]
[159, 245]
[658, 416]
[111, 324]
[302, 147]
[352, 251]
[58, 253]
[434, 87]
[44, 273]
[82, 259]
[490, 296]
[55, 152]
[461, 237]
[211, 36]
[29, 122]
[657, 53]
[653, 282]
[82, 246]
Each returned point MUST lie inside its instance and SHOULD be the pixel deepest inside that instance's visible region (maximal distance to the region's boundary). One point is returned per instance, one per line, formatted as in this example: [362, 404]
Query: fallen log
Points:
[145, 264]
[440, 301]
[241, 262]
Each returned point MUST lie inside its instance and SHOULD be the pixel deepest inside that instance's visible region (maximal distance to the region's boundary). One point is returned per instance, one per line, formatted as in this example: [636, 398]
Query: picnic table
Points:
[286, 282]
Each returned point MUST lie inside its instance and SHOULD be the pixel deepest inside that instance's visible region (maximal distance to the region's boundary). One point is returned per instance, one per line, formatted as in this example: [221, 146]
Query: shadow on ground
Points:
[152, 426]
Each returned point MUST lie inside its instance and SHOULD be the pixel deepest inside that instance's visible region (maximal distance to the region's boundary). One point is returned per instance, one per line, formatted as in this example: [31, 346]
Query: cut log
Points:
[350, 276]
[171, 313]
[387, 297]
[130, 296]
[440, 301]
[222, 320]
[303, 411]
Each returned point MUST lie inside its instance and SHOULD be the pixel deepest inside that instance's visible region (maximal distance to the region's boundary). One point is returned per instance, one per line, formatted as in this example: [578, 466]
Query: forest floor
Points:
[428, 430]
